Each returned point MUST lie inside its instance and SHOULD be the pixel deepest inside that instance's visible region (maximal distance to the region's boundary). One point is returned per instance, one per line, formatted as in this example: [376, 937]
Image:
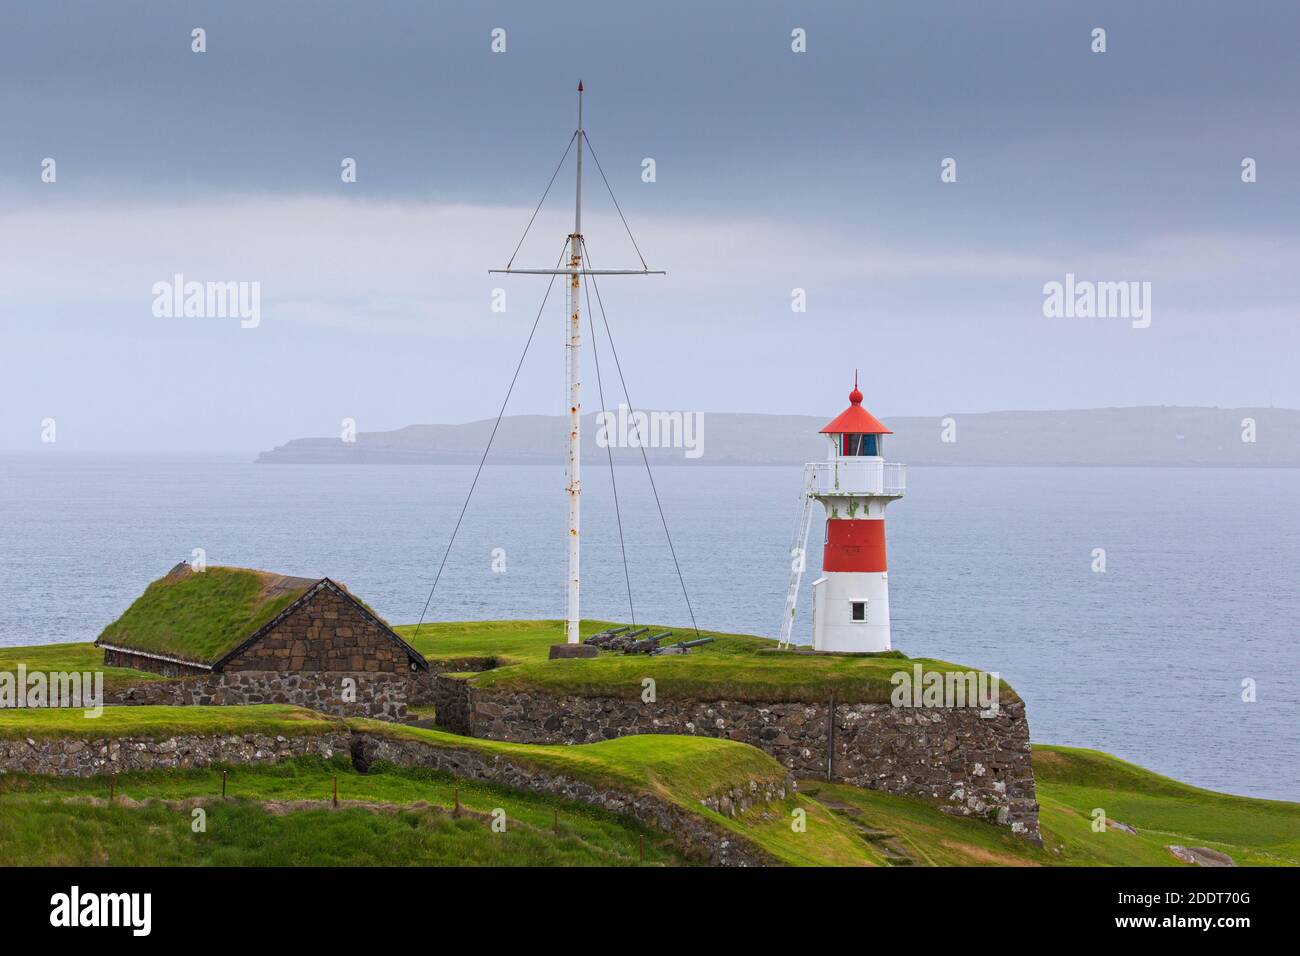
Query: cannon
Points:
[647, 645]
[681, 647]
[622, 641]
[604, 637]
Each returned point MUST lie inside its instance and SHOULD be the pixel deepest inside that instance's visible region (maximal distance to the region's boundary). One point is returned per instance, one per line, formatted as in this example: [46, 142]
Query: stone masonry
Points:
[326, 632]
[377, 694]
[72, 757]
[380, 695]
[975, 766]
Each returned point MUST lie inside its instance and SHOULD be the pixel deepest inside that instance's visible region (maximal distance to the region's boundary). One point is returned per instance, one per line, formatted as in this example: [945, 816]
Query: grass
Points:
[825, 840]
[682, 771]
[506, 642]
[509, 642]
[918, 833]
[67, 658]
[845, 826]
[733, 667]
[200, 616]
[687, 769]
[1071, 783]
[157, 723]
[61, 821]
[678, 770]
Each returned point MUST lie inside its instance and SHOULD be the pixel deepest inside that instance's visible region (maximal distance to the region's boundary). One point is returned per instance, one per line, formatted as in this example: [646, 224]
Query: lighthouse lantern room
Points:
[854, 484]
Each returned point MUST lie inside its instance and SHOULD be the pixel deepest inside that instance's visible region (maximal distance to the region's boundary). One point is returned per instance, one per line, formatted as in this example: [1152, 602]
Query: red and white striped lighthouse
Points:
[854, 484]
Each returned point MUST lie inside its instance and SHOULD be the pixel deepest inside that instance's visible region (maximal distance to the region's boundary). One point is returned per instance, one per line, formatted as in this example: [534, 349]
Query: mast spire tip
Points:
[580, 86]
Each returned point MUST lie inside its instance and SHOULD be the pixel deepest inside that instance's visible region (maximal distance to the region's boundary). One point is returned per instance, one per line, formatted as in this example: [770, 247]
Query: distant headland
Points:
[1165, 436]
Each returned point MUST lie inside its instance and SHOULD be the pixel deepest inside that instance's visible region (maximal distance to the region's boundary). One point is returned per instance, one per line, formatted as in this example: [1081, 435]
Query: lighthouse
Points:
[853, 485]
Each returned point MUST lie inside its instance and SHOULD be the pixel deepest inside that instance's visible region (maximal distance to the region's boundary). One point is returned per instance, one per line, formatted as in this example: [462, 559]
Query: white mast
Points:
[575, 402]
[575, 271]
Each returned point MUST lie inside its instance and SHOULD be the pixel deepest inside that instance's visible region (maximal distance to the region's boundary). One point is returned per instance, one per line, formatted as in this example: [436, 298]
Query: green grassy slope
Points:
[510, 642]
[1071, 783]
[679, 770]
[734, 667]
[682, 771]
[688, 768]
[156, 723]
[200, 616]
[66, 658]
[61, 821]
[915, 832]
[844, 826]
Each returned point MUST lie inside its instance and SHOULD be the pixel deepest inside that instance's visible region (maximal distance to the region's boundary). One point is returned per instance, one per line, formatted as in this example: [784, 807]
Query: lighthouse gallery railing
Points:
[862, 476]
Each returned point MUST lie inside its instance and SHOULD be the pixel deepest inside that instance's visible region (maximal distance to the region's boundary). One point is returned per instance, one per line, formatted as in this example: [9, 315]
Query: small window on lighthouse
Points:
[858, 611]
[857, 446]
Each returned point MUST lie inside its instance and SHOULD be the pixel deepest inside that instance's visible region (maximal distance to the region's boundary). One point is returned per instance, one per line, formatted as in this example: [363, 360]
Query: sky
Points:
[775, 170]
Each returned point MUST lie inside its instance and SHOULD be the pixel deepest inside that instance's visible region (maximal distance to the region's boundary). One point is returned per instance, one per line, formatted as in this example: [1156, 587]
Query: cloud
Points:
[381, 310]
[412, 268]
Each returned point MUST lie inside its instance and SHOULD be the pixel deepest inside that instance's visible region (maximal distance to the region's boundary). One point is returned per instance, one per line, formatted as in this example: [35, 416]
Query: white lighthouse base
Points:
[834, 597]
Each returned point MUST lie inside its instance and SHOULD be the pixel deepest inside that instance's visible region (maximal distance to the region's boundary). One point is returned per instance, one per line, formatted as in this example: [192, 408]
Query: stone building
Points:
[243, 636]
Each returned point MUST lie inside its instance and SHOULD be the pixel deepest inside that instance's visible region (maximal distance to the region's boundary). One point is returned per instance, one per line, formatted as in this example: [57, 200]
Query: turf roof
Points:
[201, 616]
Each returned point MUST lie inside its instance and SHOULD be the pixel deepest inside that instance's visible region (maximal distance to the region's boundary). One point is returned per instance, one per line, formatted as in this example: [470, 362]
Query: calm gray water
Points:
[990, 567]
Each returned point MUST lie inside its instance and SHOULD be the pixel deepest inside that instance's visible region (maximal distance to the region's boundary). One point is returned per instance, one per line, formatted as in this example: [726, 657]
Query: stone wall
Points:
[421, 686]
[71, 757]
[327, 632]
[453, 704]
[695, 836]
[973, 765]
[379, 695]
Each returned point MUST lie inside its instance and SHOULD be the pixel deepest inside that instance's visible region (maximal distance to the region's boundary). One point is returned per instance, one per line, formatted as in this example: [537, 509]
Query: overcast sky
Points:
[775, 170]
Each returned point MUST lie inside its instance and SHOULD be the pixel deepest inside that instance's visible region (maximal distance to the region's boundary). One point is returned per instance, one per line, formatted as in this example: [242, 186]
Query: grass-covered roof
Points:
[200, 616]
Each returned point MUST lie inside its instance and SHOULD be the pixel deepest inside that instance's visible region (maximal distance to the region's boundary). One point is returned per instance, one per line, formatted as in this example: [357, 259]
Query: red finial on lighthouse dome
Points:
[856, 420]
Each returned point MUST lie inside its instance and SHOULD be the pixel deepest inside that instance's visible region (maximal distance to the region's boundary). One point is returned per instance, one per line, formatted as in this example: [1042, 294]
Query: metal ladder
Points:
[798, 552]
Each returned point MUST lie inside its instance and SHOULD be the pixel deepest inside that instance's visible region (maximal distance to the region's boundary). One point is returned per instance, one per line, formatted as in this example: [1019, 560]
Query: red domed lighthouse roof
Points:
[856, 420]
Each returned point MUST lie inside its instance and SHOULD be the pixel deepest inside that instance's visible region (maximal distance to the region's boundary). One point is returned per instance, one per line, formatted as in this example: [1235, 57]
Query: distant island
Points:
[1171, 436]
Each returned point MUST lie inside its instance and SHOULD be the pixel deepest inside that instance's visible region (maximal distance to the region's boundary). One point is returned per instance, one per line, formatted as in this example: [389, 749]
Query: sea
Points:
[1150, 613]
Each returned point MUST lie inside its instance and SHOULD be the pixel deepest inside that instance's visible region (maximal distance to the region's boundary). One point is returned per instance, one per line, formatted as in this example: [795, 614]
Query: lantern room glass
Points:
[858, 446]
